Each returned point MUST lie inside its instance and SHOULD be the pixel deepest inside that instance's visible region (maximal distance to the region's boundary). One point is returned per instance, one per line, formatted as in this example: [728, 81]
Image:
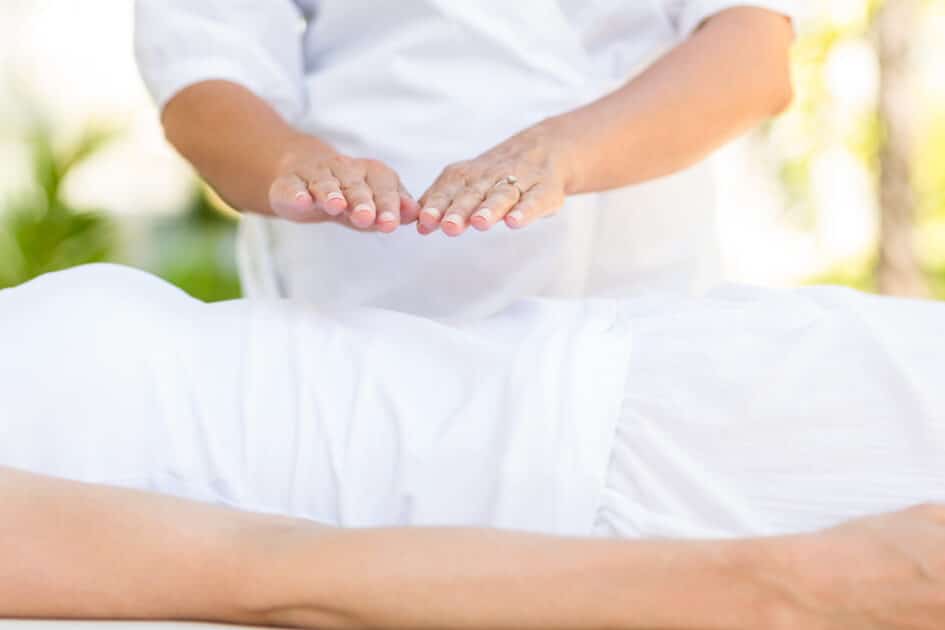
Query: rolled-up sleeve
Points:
[256, 44]
[687, 15]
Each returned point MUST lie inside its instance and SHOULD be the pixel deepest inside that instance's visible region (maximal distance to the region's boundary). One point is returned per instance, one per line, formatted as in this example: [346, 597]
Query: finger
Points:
[290, 199]
[537, 202]
[385, 187]
[361, 209]
[495, 206]
[388, 209]
[432, 209]
[409, 208]
[457, 215]
[934, 512]
[326, 189]
[436, 200]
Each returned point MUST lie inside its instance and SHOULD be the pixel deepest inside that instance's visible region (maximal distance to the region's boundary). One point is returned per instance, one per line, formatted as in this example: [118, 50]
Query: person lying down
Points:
[270, 462]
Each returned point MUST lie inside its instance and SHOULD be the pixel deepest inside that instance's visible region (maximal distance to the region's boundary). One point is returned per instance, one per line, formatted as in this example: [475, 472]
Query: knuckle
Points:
[927, 510]
[373, 165]
[457, 170]
[325, 186]
[289, 161]
[342, 161]
[357, 186]
[388, 200]
[278, 187]
[507, 194]
[357, 198]
[467, 200]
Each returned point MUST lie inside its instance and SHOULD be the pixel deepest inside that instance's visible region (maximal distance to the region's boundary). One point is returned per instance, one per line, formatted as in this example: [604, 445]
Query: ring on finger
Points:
[510, 180]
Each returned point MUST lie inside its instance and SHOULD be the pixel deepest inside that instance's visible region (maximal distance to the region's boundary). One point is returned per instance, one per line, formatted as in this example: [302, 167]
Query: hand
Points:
[314, 185]
[879, 573]
[478, 192]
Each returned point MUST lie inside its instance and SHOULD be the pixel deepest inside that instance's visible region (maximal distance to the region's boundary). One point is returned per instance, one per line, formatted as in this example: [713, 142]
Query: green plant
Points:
[39, 231]
[194, 250]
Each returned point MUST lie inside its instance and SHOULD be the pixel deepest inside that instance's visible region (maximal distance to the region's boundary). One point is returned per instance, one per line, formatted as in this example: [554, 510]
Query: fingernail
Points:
[302, 196]
[386, 217]
[516, 217]
[484, 213]
[433, 213]
[361, 215]
[334, 209]
[454, 218]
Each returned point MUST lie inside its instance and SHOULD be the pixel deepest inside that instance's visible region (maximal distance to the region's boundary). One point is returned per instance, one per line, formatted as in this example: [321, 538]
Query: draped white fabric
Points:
[758, 412]
[750, 412]
[355, 418]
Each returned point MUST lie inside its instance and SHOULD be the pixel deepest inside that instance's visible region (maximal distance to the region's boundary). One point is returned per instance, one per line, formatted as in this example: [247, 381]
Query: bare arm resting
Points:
[74, 550]
[258, 163]
[728, 76]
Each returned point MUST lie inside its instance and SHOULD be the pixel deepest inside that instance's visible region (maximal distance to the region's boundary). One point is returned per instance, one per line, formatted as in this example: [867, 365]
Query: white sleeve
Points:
[256, 44]
[687, 15]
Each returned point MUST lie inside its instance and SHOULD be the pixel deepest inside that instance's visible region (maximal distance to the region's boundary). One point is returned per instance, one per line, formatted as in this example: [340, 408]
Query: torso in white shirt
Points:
[423, 83]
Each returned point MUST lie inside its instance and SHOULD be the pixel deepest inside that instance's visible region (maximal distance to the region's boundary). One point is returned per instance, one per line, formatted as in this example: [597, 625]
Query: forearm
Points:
[441, 578]
[234, 139]
[74, 550]
[731, 74]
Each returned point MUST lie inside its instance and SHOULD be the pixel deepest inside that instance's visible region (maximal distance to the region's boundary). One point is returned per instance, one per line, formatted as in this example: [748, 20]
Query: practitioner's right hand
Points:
[879, 573]
[316, 185]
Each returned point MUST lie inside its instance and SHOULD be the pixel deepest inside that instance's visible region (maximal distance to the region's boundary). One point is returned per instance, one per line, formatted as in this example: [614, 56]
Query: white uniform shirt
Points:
[423, 83]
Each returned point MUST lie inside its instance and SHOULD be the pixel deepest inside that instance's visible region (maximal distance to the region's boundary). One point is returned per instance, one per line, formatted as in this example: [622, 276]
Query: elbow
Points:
[781, 95]
[779, 86]
[174, 130]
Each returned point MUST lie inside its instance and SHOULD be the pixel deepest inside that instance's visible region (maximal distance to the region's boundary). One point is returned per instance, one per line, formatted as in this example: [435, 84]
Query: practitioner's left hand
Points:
[521, 180]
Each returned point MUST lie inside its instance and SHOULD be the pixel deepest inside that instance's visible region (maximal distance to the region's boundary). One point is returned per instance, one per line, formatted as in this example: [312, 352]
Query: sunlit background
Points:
[848, 186]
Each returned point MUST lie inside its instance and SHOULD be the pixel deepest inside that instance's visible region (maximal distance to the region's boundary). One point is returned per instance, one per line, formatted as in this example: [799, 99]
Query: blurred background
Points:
[848, 186]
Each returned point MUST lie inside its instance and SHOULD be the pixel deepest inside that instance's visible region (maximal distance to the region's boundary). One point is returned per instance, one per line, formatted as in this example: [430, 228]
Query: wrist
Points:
[770, 567]
[564, 147]
[725, 585]
[296, 146]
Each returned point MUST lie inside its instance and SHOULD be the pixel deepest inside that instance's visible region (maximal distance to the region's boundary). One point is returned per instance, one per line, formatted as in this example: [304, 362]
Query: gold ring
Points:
[511, 180]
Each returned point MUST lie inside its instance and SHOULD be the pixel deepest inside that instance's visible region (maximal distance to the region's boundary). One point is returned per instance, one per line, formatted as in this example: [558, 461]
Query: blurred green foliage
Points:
[814, 124]
[195, 250]
[811, 121]
[41, 232]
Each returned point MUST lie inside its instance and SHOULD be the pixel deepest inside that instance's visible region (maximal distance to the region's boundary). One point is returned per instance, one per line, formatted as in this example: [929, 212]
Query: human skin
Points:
[74, 550]
[731, 74]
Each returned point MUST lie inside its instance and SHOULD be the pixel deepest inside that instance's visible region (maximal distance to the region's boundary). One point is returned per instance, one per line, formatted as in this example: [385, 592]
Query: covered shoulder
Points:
[105, 297]
[98, 280]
